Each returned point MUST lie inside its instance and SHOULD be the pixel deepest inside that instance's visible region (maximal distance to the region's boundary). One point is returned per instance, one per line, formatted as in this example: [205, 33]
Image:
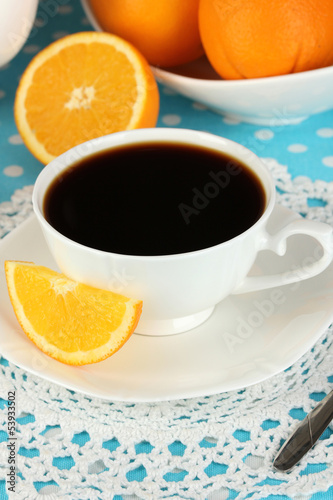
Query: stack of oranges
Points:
[241, 38]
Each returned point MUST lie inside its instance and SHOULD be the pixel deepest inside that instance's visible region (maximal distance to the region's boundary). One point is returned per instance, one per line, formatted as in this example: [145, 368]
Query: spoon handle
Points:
[305, 435]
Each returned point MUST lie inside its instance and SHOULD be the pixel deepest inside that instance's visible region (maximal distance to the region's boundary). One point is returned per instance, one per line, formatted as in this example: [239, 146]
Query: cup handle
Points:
[277, 242]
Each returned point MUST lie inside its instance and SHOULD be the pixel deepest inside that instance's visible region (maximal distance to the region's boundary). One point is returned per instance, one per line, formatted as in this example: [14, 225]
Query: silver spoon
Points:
[305, 435]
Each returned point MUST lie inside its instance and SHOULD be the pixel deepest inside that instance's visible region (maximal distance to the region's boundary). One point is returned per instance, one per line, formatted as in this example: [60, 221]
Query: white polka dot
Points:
[230, 120]
[297, 148]
[2, 94]
[84, 21]
[13, 171]
[15, 139]
[264, 134]
[168, 91]
[54, 431]
[254, 461]
[325, 132]
[59, 34]
[31, 49]
[65, 9]
[199, 106]
[171, 119]
[49, 489]
[220, 494]
[39, 22]
[328, 161]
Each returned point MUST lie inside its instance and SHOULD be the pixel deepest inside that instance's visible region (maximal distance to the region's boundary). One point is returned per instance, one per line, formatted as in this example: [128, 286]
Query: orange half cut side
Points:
[80, 87]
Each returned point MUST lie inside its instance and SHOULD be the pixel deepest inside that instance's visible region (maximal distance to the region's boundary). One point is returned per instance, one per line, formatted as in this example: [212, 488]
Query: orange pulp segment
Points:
[73, 323]
[80, 87]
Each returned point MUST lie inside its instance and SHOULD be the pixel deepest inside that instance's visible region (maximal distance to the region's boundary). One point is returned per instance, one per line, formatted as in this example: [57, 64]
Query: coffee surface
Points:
[154, 199]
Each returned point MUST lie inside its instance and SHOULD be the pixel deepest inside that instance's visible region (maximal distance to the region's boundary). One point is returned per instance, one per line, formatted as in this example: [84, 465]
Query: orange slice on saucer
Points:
[71, 322]
[80, 87]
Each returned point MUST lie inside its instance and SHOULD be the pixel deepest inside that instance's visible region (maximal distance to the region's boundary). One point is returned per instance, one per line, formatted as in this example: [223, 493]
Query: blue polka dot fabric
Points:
[306, 148]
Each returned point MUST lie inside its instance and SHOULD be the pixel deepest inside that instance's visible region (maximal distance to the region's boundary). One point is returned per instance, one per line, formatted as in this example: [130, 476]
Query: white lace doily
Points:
[213, 448]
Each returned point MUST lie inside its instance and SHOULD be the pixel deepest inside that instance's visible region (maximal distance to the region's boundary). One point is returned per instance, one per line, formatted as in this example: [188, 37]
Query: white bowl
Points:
[269, 101]
[277, 100]
[16, 21]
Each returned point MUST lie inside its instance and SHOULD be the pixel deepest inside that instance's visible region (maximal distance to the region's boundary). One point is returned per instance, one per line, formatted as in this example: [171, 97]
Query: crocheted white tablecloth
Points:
[75, 447]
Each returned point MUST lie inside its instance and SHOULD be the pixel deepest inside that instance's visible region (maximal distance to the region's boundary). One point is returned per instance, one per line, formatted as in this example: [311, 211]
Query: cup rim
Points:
[150, 135]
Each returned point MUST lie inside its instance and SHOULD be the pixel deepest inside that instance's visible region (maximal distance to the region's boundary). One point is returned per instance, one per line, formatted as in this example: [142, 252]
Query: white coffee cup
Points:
[180, 291]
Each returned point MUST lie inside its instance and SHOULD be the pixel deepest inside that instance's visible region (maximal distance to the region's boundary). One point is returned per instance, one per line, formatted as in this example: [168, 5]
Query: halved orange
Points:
[71, 322]
[80, 87]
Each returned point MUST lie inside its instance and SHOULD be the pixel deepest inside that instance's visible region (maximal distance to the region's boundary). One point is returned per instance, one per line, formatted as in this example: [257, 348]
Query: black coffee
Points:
[154, 199]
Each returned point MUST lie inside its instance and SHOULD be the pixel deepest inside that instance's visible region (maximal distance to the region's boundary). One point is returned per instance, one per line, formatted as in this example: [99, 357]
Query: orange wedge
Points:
[71, 322]
[80, 87]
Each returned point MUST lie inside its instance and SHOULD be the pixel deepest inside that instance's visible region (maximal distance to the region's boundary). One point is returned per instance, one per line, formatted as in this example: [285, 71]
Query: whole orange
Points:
[259, 38]
[166, 32]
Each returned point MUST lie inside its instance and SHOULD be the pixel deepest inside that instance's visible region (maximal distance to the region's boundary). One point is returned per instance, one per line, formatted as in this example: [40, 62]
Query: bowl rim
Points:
[164, 73]
[248, 82]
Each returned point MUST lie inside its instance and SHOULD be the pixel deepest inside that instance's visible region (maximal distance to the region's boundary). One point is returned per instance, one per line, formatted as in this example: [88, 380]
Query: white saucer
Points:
[247, 339]
[278, 100]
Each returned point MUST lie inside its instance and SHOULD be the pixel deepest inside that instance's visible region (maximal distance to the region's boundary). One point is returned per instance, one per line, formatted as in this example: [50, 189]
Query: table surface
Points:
[306, 148]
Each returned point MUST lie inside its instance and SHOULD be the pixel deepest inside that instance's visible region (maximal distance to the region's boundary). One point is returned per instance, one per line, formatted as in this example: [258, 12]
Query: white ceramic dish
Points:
[279, 100]
[16, 22]
[248, 338]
